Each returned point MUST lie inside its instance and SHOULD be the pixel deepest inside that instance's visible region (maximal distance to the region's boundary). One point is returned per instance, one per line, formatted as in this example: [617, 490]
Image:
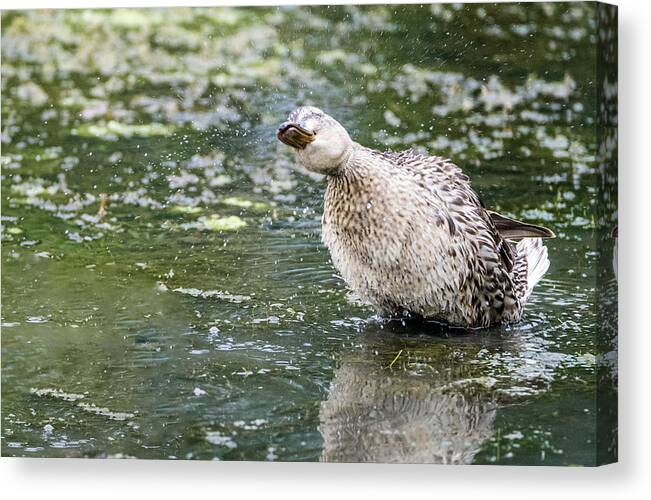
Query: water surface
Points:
[194, 312]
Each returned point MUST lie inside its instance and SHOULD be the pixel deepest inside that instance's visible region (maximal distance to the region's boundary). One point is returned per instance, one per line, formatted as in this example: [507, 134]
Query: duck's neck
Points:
[360, 191]
[345, 163]
[357, 165]
[354, 174]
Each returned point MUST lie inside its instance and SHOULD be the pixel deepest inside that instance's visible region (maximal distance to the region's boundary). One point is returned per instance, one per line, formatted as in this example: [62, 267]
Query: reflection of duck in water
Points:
[408, 233]
[377, 414]
[372, 417]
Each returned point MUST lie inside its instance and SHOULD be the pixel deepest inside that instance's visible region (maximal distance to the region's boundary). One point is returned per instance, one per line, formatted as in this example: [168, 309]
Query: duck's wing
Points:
[491, 233]
[464, 205]
[465, 209]
[439, 173]
[514, 229]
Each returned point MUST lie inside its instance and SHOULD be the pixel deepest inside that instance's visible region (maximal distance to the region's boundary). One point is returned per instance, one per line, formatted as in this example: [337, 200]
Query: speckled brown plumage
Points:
[409, 235]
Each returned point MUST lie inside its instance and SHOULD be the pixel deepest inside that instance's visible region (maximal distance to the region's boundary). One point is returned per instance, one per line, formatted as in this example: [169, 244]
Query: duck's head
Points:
[321, 144]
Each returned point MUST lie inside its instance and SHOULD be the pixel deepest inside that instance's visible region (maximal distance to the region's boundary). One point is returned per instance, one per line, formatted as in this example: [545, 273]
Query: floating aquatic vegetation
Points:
[57, 394]
[113, 130]
[217, 223]
[251, 424]
[272, 320]
[185, 209]
[391, 118]
[14, 230]
[219, 439]
[182, 180]
[236, 201]
[31, 188]
[219, 180]
[218, 294]
[88, 407]
[78, 238]
[104, 412]
[31, 93]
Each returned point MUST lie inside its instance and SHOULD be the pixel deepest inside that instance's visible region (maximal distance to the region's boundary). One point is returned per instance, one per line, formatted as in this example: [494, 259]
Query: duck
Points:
[410, 236]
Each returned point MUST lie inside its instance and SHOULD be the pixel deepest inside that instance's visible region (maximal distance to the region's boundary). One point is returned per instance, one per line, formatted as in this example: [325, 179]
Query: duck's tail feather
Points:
[534, 253]
[516, 229]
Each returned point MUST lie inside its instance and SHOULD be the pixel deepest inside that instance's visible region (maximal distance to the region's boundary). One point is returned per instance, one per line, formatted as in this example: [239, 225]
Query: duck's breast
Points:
[391, 241]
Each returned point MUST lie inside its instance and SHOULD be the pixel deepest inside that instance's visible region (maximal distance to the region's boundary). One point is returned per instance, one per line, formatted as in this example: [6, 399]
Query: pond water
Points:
[165, 292]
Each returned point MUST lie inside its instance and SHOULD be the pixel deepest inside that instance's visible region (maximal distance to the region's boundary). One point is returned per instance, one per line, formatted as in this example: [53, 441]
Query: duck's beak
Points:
[292, 134]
